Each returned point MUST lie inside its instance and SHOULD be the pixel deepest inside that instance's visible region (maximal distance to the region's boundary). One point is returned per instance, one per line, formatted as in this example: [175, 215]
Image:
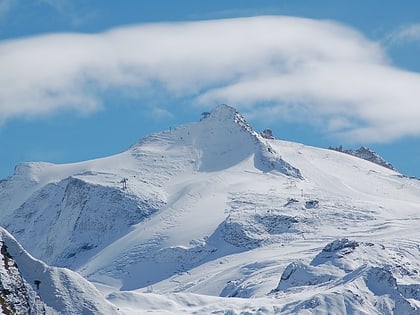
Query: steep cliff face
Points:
[16, 295]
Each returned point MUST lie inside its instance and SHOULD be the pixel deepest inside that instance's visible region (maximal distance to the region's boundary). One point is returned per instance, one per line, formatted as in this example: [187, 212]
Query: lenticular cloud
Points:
[295, 67]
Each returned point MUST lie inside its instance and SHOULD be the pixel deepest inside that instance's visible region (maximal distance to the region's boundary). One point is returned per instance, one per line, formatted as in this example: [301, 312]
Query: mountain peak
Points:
[220, 140]
[223, 113]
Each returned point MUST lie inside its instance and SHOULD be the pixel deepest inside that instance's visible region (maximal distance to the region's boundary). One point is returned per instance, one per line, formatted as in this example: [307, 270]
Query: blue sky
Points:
[86, 79]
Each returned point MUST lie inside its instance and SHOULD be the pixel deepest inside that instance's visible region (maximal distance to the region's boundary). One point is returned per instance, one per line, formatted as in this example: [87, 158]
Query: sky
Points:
[87, 79]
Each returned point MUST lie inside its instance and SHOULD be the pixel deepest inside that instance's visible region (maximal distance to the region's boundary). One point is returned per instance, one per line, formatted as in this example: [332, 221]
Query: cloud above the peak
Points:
[408, 33]
[293, 69]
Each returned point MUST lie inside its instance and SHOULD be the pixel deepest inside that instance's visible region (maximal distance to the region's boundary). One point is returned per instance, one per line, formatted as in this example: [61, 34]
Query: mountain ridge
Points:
[366, 154]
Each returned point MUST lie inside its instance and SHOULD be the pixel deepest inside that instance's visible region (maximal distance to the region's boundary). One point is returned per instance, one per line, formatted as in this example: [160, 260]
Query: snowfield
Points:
[213, 218]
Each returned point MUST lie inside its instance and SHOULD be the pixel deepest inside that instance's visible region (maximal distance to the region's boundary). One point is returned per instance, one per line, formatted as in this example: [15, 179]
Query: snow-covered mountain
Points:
[213, 217]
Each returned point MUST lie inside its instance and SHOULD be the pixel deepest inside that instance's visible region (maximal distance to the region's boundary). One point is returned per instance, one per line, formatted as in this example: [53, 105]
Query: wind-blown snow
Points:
[216, 218]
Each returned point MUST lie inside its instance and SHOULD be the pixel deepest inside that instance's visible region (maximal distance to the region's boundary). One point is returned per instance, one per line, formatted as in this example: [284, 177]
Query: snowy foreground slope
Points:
[28, 286]
[211, 217]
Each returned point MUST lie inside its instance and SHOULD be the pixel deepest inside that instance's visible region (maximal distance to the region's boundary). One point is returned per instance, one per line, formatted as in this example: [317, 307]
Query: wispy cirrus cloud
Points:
[408, 33]
[284, 68]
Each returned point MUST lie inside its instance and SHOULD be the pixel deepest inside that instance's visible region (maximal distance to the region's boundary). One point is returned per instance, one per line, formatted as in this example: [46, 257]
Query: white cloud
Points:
[293, 68]
[408, 33]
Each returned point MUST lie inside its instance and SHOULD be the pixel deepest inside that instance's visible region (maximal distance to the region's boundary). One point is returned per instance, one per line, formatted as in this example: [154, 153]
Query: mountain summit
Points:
[222, 139]
[188, 218]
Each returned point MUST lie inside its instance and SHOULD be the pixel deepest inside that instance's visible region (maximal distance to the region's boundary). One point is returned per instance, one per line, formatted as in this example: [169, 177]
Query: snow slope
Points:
[29, 286]
[217, 218]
